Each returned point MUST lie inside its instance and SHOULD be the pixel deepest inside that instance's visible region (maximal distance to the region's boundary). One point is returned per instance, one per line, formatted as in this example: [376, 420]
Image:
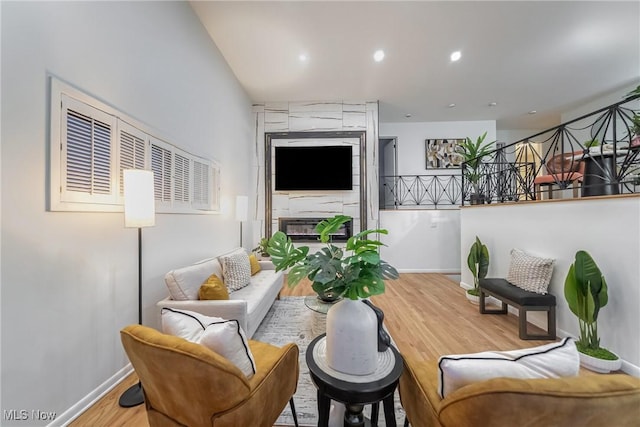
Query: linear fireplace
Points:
[304, 229]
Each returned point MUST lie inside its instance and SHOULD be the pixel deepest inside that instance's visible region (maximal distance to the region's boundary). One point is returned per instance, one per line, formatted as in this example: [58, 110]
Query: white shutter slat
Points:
[132, 151]
[181, 179]
[88, 154]
[201, 186]
[161, 167]
[102, 158]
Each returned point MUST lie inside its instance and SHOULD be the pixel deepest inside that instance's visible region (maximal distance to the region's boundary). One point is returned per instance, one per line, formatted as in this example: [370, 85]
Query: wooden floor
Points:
[427, 315]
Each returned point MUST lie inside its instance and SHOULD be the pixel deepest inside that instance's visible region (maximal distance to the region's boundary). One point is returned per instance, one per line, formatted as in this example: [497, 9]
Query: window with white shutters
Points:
[181, 178]
[92, 144]
[86, 149]
[161, 166]
[201, 183]
[133, 150]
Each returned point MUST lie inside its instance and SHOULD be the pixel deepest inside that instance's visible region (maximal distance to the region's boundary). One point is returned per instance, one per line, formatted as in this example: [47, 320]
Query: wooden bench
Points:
[525, 301]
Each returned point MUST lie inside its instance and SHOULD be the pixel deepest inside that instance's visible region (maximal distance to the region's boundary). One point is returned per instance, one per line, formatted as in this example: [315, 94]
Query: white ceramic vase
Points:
[352, 338]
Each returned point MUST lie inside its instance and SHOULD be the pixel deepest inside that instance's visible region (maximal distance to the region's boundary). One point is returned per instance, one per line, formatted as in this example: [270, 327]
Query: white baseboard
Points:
[90, 399]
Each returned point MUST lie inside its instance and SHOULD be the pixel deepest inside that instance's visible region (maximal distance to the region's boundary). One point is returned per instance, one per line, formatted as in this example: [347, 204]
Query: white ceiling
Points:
[546, 56]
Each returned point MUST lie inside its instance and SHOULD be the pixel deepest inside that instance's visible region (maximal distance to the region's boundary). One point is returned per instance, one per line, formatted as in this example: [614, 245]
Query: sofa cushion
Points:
[213, 289]
[236, 269]
[184, 283]
[255, 264]
[225, 337]
[555, 360]
[529, 272]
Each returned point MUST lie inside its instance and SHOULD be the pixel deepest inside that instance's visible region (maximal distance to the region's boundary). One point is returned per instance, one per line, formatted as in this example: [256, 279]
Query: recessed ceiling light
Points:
[493, 104]
[378, 55]
[532, 112]
[303, 57]
[452, 105]
[456, 56]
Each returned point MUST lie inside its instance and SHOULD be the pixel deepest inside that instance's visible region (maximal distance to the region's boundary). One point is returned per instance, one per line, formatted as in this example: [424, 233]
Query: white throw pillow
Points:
[225, 337]
[555, 360]
[236, 269]
[529, 272]
[184, 283]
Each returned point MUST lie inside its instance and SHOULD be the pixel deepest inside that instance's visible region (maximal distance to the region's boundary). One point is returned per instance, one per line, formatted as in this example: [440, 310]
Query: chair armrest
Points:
[226, 309]
[267, 265]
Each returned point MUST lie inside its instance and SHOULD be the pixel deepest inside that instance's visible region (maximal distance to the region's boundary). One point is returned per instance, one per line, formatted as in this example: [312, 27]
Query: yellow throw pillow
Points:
[213, 288]
[255, 265]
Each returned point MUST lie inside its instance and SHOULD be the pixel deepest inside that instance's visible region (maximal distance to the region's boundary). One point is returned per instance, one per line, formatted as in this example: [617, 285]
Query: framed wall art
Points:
[442, 153]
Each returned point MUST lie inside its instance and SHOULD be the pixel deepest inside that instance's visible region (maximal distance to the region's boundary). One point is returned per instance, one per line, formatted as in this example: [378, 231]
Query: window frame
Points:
[59, 198]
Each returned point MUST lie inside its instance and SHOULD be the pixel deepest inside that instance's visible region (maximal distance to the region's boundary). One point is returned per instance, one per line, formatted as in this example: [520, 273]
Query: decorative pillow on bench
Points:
[529, 272]
[224, 337]
[555, 360]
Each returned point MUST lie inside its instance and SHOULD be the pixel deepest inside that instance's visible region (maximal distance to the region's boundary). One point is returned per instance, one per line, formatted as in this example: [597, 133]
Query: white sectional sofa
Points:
[248, 305]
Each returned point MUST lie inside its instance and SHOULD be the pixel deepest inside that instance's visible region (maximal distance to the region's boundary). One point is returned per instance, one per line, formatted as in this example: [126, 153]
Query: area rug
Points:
[289, 320]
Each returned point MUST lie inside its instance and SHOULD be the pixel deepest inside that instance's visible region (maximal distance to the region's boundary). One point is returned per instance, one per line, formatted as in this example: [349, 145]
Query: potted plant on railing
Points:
[355, 272]
[472, 153]
[478, 262]
[585, 290]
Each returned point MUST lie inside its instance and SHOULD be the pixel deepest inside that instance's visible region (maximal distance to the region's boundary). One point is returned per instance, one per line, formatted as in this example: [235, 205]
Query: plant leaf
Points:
[283, 253]
[329, 226]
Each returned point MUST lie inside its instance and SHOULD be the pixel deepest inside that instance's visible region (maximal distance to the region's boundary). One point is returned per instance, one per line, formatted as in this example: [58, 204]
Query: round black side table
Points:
[354, 393]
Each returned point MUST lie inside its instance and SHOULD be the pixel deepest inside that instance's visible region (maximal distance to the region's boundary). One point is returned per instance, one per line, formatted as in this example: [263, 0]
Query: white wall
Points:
[69, 280]
[425, 240]
[411, 137]
[509, 136]
[421, 241]
[606, 228]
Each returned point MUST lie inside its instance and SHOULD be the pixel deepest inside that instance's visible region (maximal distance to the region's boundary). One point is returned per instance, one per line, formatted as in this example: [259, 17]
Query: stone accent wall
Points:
[318, 117]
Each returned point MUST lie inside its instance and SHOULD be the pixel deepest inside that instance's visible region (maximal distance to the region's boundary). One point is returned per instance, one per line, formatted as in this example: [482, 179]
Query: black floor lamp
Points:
[242, 212]
[139, 211]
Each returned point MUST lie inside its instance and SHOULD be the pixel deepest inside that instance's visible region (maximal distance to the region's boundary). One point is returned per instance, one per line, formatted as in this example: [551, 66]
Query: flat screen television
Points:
[327, 167]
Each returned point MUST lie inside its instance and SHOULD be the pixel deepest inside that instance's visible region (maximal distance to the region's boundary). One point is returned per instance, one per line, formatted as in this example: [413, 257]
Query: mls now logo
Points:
[24, 415]
[15, 414]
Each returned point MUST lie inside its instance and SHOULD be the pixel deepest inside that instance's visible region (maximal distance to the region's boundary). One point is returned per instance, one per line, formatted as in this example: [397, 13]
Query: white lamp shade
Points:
[242, 208]
[139, 203]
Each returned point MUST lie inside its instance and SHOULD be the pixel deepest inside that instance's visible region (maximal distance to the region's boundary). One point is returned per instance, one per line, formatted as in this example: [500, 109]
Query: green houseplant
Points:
[478, 262]
[262, 248]
[355, 272]
[585, 290]
[472, 153]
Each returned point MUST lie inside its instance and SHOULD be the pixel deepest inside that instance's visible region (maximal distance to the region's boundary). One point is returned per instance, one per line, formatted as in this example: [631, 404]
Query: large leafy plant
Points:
[472, 153]
[585, 290]
[355, 272]
[478, 262]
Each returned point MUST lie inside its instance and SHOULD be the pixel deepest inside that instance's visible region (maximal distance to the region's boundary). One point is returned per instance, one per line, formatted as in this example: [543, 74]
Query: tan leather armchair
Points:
[186, 384]
[586, 400]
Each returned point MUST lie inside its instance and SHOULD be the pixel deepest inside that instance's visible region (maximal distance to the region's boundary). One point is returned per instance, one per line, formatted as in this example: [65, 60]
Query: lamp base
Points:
[133, 396]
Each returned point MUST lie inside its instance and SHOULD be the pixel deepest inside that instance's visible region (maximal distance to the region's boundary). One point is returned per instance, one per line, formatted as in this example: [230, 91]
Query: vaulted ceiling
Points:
[545, 56]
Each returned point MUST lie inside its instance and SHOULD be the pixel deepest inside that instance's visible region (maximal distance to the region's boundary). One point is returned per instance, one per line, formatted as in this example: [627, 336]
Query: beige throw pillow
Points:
[236, 269]
[529, 272]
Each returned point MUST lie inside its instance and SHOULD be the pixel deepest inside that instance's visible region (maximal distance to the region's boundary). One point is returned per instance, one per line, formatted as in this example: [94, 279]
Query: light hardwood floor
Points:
[427, 315]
